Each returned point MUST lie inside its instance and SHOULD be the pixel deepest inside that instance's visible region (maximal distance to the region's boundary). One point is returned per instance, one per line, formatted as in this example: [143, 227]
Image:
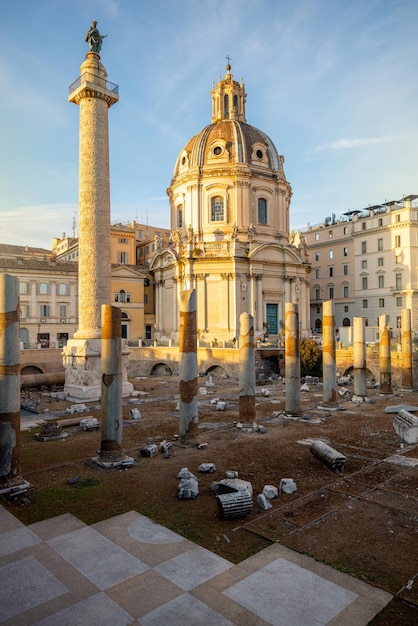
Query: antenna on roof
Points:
[74, 225]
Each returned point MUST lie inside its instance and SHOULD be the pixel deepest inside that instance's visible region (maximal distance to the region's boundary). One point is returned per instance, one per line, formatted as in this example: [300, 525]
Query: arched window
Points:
[217, 209]
[226, 106]
[236, 103]
[180, 216]
[346, 322]
[122, 295]
[262, 211]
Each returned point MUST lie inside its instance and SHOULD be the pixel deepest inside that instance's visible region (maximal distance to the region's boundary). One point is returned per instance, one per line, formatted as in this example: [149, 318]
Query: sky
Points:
[332, 82]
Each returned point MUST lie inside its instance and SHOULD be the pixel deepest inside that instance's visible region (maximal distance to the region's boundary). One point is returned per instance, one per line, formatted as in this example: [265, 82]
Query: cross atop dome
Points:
[228, 98]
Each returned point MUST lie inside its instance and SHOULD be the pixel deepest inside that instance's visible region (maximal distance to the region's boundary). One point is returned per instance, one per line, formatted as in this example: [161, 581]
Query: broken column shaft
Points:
[359, 358]
[10, 473]
[246, 369]
[292, 359]
[112, 417]
[384, 355]
[188, 373]
[406, 340]
[329, 366]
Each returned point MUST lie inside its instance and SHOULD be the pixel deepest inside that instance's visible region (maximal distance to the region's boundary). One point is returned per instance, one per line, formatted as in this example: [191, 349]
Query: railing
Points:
[95, 80]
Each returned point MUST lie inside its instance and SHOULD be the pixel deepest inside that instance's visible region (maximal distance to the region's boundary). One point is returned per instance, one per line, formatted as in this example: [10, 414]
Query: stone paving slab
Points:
[60, 572]
[97, 558]
[275, 591]
[24, 584]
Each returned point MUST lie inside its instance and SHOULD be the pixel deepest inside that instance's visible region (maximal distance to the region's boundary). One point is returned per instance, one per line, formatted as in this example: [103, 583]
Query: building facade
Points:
[47, 295]
[367, 262]
[48, 287]
[229, 213]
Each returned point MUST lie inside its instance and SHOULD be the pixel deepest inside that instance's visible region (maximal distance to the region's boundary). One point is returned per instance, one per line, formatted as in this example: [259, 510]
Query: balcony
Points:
[87, 77]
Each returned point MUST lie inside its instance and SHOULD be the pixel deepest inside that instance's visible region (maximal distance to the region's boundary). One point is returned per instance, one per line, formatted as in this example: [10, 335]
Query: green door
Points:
[271, 316]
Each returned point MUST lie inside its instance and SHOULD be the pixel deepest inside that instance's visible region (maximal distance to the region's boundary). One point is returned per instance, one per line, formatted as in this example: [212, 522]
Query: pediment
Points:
[126, 271]
[162, 259]
[275, 253]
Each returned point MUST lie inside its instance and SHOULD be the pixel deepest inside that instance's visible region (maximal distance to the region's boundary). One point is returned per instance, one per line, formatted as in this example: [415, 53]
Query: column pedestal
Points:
[83, 376]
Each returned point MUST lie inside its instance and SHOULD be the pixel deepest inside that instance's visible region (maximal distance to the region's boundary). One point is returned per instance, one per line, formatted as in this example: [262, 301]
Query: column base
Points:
[126, 461]
[83, 374]
[17, 489]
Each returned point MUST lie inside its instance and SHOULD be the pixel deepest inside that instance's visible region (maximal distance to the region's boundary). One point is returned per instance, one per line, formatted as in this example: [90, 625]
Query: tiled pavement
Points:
[128, 570]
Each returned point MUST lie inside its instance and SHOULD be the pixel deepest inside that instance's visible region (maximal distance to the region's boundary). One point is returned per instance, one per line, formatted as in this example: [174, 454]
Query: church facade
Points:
[229, 213]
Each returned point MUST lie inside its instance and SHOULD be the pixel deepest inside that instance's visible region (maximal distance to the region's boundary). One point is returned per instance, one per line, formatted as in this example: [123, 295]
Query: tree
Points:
[310, 358]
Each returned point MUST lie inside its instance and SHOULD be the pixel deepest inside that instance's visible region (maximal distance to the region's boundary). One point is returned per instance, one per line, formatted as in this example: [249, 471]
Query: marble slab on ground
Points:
[274, 593]
[398, 407]
[185, 609]
[94, 611]
[61, 571]
[25, 584]
[101, 561]
[190, 569]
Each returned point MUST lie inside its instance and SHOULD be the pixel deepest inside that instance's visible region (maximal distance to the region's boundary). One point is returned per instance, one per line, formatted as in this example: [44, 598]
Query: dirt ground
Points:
[364, 522]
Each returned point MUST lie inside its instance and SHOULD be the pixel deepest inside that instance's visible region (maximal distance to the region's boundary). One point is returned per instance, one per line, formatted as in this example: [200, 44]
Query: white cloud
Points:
[36, 225]
[344, 144]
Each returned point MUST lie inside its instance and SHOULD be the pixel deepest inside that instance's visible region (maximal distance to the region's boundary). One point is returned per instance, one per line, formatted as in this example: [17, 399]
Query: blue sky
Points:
[332, 82]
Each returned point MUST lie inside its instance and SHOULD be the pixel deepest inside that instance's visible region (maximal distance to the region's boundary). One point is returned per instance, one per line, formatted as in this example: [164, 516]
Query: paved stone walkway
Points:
[128, 570]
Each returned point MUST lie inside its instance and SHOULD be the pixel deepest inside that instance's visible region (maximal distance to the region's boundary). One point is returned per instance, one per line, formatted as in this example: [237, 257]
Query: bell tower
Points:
[228, 99]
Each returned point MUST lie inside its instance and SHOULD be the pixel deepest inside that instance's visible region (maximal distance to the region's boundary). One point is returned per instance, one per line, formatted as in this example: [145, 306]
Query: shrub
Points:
[310, 358]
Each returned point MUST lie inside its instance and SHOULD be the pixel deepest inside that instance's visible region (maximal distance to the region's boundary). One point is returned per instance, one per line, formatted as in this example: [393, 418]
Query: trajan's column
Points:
[94, 94]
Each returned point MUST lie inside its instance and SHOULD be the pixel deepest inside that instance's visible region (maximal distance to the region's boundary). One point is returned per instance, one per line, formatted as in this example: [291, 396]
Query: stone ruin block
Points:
[332, 459]
[406, 426]
[270, 491]
[149, 451]
[344, 380]
[228, 485]
[135, 414]
[207, 468]
[311, 380]
[76, 408]
[220, 406]
[90, 423]
[188, 486]
[287, 485]
[263, 502]
[50, 432]
[235, 504]
[166, 448]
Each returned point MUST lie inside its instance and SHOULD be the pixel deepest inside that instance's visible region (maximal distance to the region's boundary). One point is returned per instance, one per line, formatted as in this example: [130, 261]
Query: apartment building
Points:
[48, 285]
[366, 261]
[47, 295]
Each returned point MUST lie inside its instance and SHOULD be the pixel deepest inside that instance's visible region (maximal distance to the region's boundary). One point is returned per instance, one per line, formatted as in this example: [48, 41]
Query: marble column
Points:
[10, 472]
[259, 319]
[188, 374]
[329, 366]
[94, 94]
[111, 451]
[406, 340]
[292, 360]
[246, 369]
[384, 355]
[359, 358]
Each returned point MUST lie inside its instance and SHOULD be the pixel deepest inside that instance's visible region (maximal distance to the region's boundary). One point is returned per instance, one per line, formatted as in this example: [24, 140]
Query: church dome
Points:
[232, 142]
[229, 140]
[229, 178]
